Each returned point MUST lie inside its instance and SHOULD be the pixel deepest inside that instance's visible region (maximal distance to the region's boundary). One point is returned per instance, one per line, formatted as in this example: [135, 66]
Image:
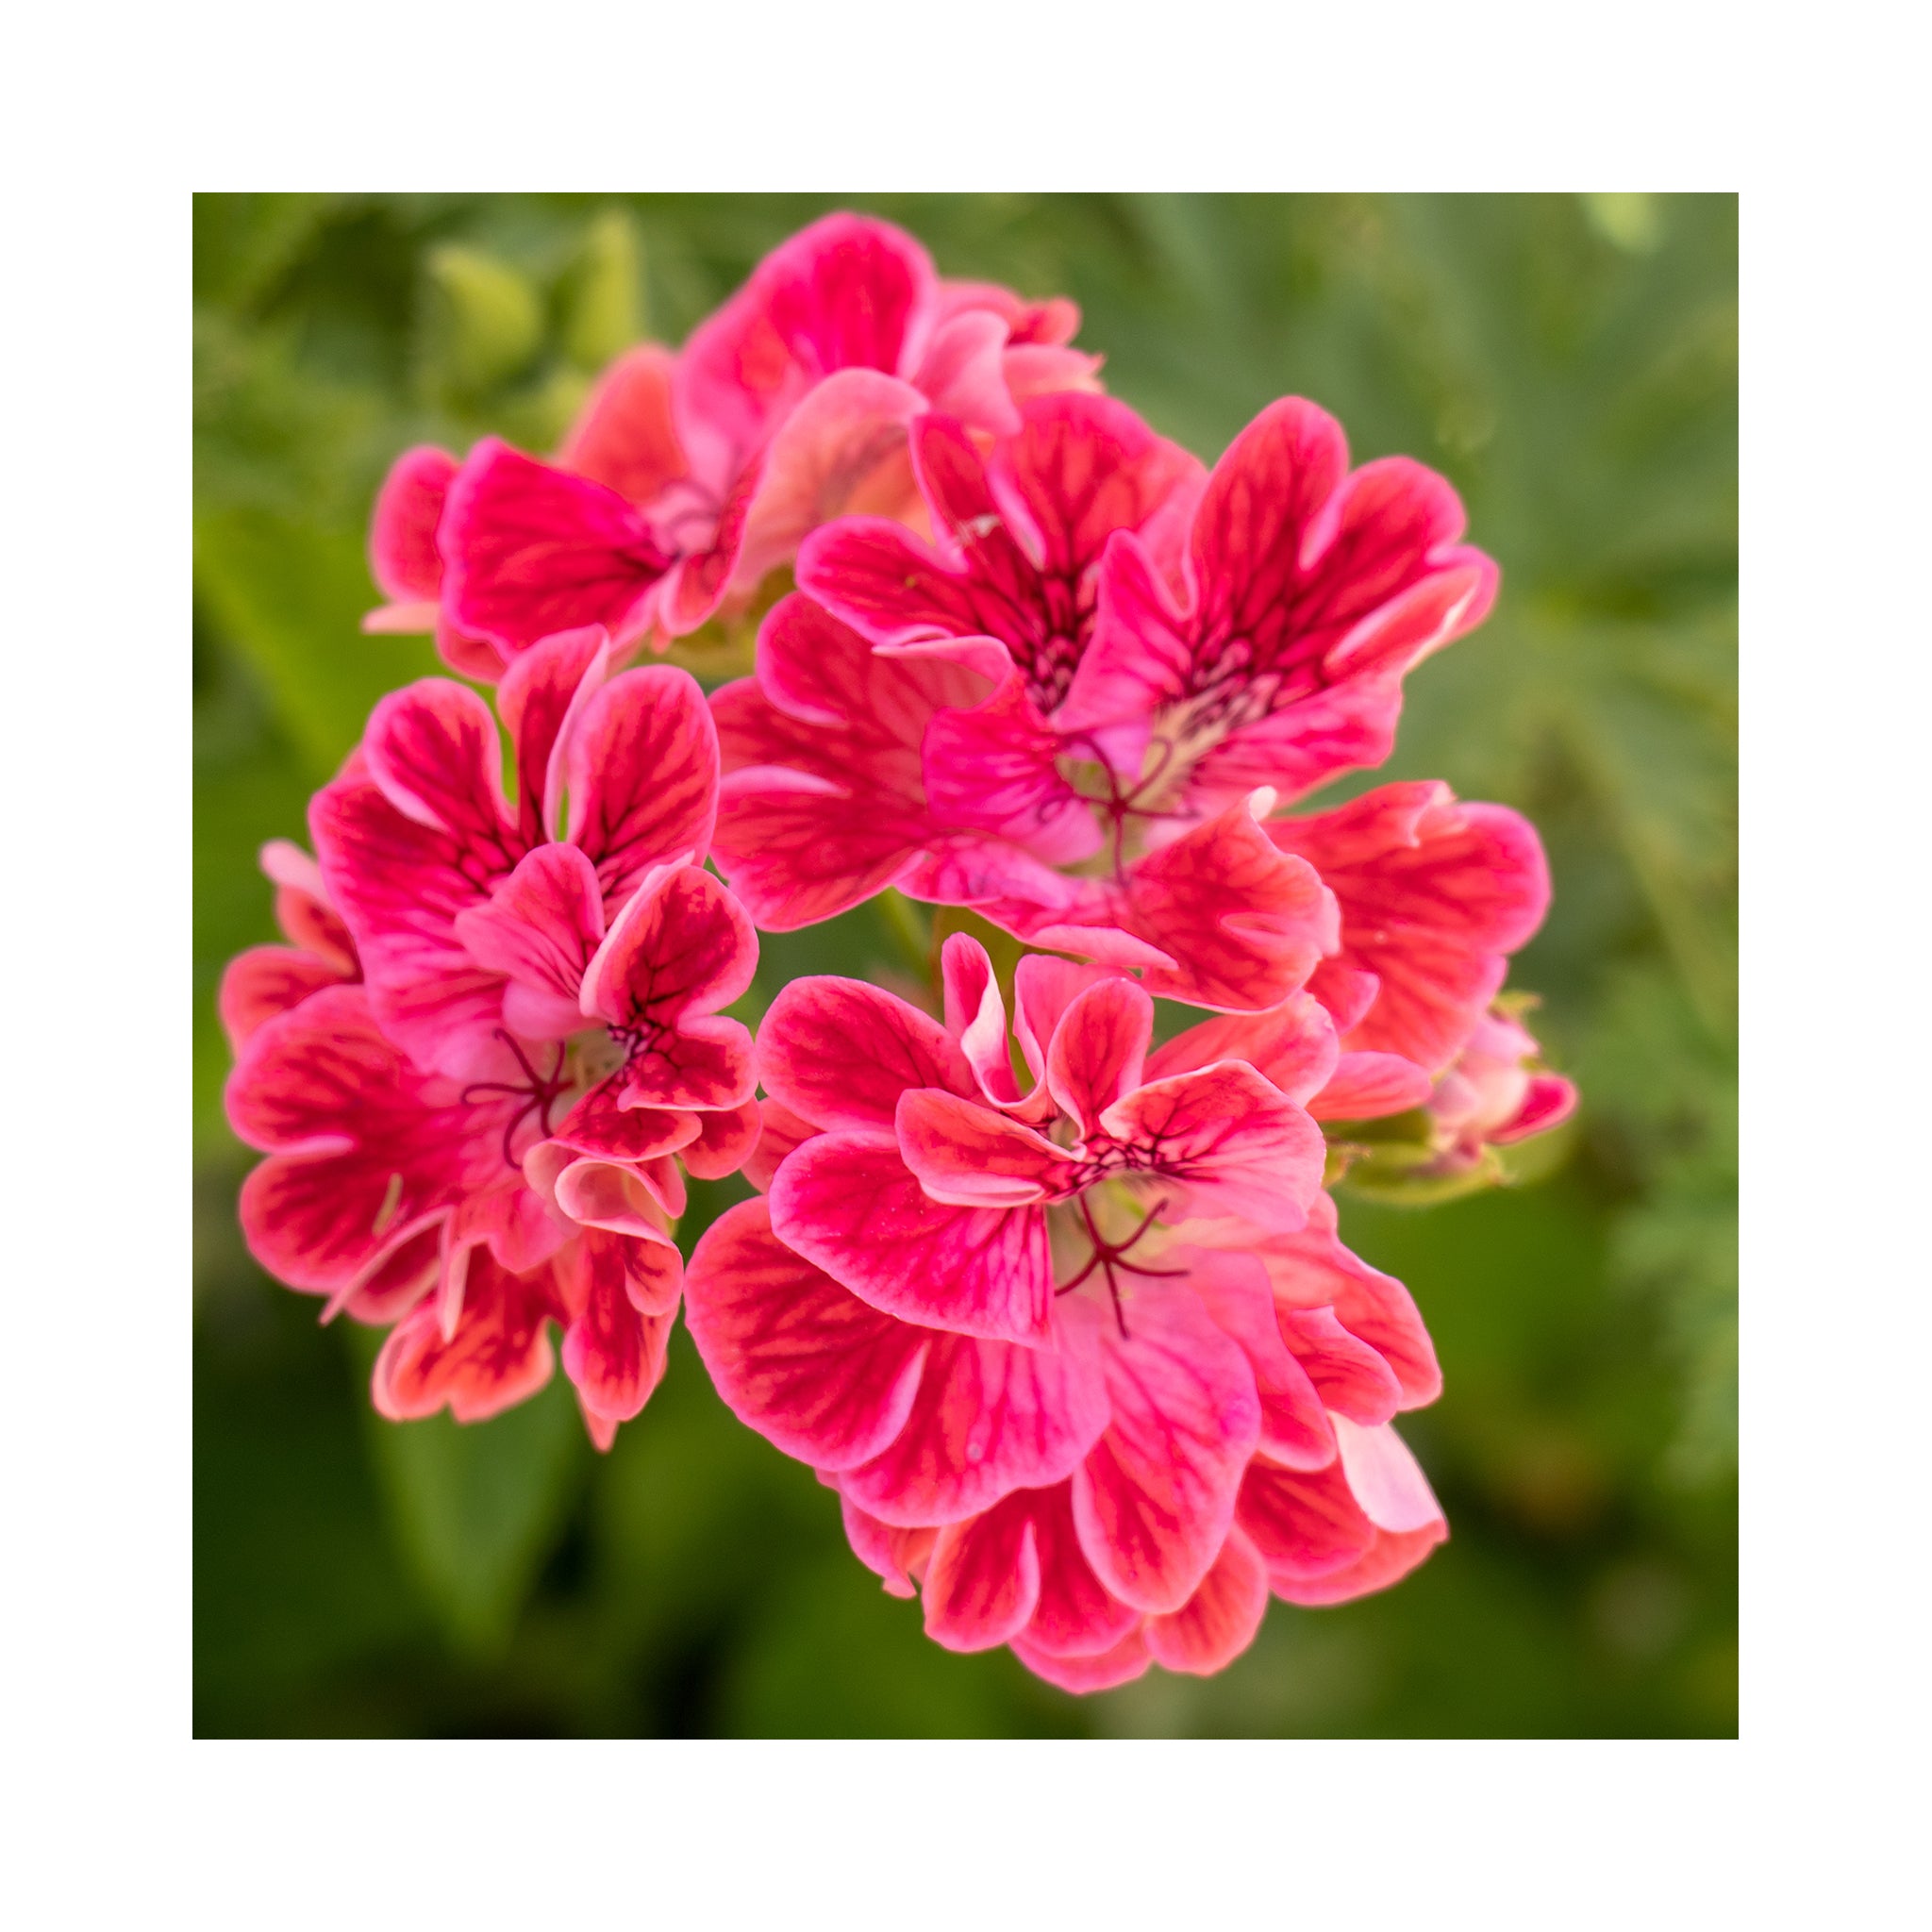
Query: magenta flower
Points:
[534, 1054]
[1013, 1327]
[1496, 1094]
[688, 477]
[939, 718]
[824, 801]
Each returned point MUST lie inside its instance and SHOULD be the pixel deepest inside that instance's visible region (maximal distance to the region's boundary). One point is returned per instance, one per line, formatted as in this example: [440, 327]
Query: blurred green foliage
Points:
[1571, 362]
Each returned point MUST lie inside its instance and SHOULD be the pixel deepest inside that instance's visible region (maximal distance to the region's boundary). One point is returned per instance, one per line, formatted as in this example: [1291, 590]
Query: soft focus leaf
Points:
[476, 1507]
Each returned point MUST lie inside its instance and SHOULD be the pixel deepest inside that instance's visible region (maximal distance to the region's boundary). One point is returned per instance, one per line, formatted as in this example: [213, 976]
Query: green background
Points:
[1571, 363]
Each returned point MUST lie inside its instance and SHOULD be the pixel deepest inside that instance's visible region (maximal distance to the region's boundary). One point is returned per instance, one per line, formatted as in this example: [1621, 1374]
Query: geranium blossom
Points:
[1497, 1092]
[957, 718]
[1062, 1315]
[1013, 1327]
[485, 1132]
[688, 476]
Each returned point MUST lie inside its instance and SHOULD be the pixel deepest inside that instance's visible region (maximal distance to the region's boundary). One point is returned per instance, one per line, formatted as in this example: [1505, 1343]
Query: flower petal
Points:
[642, 770]
[529, 549]
[1220, 1618]
[1434, 895]
[983, 1579]
[811, 1368]
[848, 1203]
[541, 928]
[499, 1356]
[622, 1298]
[1099, 1050]
[624, 435]
[1154, 1499]
[403, 556]
[970, 1155]
[837, 1052]
[991, 1417]
[1235, 1143]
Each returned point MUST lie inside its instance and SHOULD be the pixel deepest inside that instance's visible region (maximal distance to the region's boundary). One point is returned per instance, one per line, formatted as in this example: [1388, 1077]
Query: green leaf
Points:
[600, 298]
[481, 324]
[291, 597]
[476, 1507]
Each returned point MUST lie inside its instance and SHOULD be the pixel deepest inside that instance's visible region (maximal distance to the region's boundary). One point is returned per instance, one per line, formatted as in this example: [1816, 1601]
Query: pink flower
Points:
[1013, 1329]
[687, 478]
[417, 832]
[536, 1053]
[971, 755]
[824, 801]
[401, 1196]
[1496, 1094]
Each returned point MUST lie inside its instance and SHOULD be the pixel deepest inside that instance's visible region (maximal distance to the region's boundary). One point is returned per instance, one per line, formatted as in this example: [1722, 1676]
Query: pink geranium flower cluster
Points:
[1046, 1286]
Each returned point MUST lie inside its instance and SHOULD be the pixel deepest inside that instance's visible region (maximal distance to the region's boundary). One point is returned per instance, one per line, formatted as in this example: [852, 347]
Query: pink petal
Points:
[822, 802]
[963, 372]
[1125, 1661]
[842, 447]
[1075, 1615]
[540, 698]
[1385, 1479]
[529, 549]
[402, 532]
[896, 1556]
[1434, 895]
[624, 435]
[997, 766]
[1369, 1085]
[1244, 924]
[265, 981]
[847, 293]
[1154, 1499]
[499, 1356]
[622, 1297]
[1038, 369]
[405, 856]
[1099, 1050]
[615, 1197]
[983, 1578]
[848, 1203]
[780, 1131]
[301, 906]
[1403, 1520]
[991, 1417]
[682, 946]
[642, 770]
[1293, 1046]
[1235, 1290]
[541, 928]
[1312, 1269]
[811, 1368]
[433, 749]
[1043, 988]
[1305, 1523]
[1053, 319]
[970, 1155]
[725, 1143]
[1234, 1142]
[976, 1015]
[1220, 1618]
[596, 1128]
[366, 1147]
[837, 1052]
[1551, 1100]
[1352, 1378]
